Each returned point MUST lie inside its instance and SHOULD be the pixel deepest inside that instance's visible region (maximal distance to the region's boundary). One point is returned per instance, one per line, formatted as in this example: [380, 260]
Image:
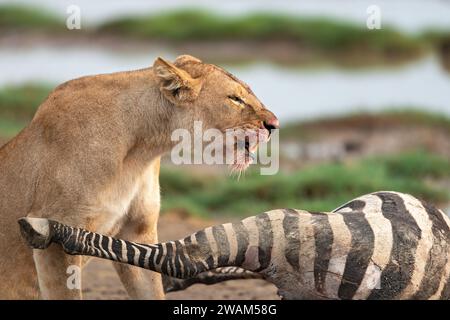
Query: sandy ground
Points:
[100, 280]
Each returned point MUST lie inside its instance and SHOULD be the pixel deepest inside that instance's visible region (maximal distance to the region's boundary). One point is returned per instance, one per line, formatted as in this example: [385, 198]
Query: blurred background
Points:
[361, 110]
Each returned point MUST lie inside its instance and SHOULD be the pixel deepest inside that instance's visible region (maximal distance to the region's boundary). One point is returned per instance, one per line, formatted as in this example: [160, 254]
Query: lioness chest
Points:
[131, 197]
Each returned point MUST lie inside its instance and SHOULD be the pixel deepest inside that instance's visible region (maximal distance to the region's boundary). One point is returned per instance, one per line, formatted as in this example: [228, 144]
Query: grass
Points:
[18, 105]
[9, 128]
[418, 165]
[21, 102]
[319, 187]
[18, 17]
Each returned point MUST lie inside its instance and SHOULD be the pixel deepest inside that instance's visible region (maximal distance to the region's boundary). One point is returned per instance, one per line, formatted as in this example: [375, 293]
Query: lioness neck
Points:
[122, 113]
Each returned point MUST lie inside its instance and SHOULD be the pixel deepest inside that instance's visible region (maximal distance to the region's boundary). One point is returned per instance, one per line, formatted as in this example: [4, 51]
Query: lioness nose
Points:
[271, 124]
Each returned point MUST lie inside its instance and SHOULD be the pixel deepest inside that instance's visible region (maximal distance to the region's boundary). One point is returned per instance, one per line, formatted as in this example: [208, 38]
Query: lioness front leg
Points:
[52, 268]
[141, 226]
[140, 283]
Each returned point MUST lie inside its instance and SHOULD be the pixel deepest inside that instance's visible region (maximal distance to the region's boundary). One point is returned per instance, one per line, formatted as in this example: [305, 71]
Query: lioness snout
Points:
[271, 124]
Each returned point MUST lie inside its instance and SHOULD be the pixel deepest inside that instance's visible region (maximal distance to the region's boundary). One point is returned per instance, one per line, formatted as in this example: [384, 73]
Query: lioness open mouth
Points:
[246, 147]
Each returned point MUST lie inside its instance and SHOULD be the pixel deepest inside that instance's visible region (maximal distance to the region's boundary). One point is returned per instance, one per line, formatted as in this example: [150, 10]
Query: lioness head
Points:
[207, 93]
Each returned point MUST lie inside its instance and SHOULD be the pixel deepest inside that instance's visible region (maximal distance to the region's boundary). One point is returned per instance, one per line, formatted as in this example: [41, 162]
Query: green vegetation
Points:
[325, 35]
[319, 187]
[18, 105]
[436, 37]
[410, 116]
[20, 102]
[418, 165]
[320, 33]
[389, 117]
[28, 18]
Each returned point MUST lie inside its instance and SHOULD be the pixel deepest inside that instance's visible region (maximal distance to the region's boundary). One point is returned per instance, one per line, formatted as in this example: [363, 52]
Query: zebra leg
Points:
[209, 277]
[38, 235]
[214, 247]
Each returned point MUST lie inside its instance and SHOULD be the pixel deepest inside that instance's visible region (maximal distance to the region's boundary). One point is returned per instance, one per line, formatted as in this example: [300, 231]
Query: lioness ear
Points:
[176, 84]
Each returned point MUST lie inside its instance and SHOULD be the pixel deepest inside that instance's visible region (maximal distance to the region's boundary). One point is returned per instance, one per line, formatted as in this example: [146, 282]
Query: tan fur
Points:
[90, 158]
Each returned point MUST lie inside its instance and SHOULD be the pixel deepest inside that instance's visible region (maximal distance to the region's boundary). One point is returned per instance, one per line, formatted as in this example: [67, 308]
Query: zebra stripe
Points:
[307, 248]
[88, 241]
[186, 267]
[437, 256]
[292, 237]
[116, 246]
[167, 258]
[251, 261]
[221, 239]
[137, 254]
[104, 241]
[440, 292]
[277, 218]
[213, 246]
[161, 252]
[110, 249]
[424, 245]
[172, 259]
[383, 240]
[339, 252]
[265, 241]
[242, 241]
[147, 259]
[397, 274]
[188, 243]
[232, 243]
[98, 245]
[203, 243]
[201, 264]
[130, 252]
[91, 244]
[361, 250]
[353, 205]
[178, 268]
[323, 237]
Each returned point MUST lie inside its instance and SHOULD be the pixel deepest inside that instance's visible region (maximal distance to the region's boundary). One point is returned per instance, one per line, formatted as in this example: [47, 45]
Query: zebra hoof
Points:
[36, 232]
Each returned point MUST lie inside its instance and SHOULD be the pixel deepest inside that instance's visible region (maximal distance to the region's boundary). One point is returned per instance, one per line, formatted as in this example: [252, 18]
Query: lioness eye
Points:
[236, 99]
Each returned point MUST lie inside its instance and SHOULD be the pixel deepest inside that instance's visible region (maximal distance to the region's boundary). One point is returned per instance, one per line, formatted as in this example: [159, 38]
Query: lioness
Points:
[90, 158]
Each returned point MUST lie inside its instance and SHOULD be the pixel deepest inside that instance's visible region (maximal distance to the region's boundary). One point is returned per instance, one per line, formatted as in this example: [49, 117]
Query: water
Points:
[305, 94]
[292, 93]
[408, 15]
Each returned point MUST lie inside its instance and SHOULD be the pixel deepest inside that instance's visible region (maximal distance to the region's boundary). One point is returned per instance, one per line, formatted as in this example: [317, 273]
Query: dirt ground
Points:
[100, 281]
